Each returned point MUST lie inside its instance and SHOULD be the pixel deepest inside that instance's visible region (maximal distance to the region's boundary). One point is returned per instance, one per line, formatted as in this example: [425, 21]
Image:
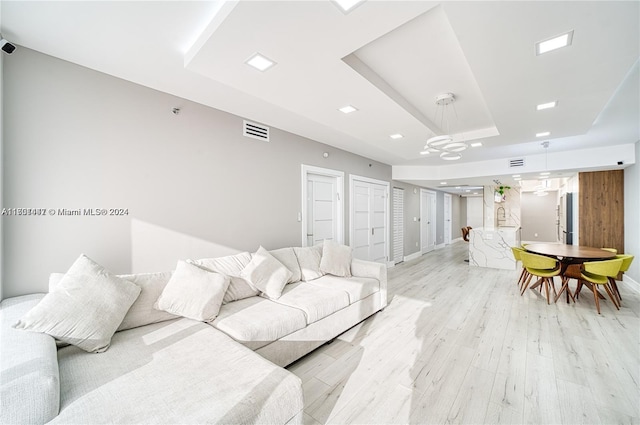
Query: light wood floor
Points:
[458, 344]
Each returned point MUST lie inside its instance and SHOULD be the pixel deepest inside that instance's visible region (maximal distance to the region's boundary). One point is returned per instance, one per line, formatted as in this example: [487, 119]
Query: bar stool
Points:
[598, 273]
[542, 267]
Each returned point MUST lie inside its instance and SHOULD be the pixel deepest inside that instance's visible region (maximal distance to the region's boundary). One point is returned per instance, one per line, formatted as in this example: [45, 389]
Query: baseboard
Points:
[412, 256]
[390, 264]
[632, 283]
[440, 246]
[457, 240]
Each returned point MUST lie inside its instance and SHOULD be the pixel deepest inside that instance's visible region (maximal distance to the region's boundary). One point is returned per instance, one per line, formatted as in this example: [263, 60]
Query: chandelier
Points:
[448, 117]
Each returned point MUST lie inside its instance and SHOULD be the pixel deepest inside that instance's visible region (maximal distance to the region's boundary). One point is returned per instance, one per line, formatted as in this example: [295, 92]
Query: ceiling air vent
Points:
[255, 131]
[516, 162]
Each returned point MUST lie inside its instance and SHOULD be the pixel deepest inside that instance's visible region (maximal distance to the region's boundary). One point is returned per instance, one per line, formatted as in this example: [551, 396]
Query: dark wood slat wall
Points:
[601, 209]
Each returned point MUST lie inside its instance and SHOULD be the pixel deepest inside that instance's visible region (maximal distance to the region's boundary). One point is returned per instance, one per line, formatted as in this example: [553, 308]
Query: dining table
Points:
[568, 255]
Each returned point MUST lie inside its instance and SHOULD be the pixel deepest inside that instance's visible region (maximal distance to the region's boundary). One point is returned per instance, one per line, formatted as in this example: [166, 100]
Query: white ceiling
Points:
[387, 58]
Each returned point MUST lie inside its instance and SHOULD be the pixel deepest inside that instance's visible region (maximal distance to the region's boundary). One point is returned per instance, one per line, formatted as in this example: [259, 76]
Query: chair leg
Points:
[553, 286]
[614, 299]
[545, 282]
[578, 289]
[525, 284]
[614, 286]
[521, 276]
[565, 287]
[596, 297]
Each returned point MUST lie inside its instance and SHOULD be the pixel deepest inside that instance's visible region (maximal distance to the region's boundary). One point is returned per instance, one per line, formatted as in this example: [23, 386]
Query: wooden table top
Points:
[569, 251]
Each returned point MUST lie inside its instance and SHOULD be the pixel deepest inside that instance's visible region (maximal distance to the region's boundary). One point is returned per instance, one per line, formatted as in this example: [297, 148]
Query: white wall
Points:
[631, 214]
[76, 138]
[475, 211]
[539, 217]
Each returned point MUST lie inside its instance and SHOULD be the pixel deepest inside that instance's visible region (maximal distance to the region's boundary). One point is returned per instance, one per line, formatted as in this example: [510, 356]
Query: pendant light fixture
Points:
[541, 189]
[447, 116]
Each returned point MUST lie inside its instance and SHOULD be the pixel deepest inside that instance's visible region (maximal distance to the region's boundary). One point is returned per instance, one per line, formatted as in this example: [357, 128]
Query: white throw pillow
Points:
[141, 312]
[288, 258]
[266, 274]
[193, 292]
[309, 260]
[336, 259]
[86, 308]
[231, 266]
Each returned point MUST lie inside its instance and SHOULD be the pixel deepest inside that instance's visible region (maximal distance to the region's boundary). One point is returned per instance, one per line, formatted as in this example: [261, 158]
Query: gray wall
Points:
[539, 216]
[631, 212]
[76, 138]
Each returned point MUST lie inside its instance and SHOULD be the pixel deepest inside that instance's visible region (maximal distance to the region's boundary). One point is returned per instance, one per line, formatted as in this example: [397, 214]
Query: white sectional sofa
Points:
[161, 368]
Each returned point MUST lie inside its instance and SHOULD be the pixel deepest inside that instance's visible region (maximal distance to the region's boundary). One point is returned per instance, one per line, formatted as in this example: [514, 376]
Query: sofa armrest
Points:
[362, 268]
[29, 377]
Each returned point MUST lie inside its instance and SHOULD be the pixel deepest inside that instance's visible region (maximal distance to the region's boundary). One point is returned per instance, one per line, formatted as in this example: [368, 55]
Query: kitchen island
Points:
[491, 247]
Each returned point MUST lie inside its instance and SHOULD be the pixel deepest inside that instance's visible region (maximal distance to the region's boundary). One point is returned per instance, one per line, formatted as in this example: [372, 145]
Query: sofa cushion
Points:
[232, 266]
[256, 321]
[29, 381]
[141, 312]
[193, 292]
[358, 288]
[86, 309]
[336, 259]
[287, 257]
[179, 371]
[266, 274]
[317, 302]
[309, 259]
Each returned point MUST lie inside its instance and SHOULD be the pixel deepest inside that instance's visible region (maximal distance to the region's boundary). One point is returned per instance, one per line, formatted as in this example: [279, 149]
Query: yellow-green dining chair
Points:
[627, 259]
[516, 254]
[545, 268]
[598, 273]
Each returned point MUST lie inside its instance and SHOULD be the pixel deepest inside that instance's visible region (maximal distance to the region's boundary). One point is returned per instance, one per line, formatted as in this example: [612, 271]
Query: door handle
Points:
[372, 229]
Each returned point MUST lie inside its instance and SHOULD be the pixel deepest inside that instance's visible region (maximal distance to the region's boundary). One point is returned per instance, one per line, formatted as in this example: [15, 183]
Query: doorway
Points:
[427, 220]
[369, 217]
[447, 218]
[322, 214]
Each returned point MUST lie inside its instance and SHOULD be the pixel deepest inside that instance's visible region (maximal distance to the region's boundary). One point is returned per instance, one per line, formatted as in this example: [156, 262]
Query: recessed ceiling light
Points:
[543, 134]
[516, 175]
[476, 144]
[545, 174]
[547, 105]
[260, 62]
[347, 5]
[396, 136]
[424, 153]
[468, 190]
[347, 109]
[458, 187]
[517, 179]
[554, 43]
[443, 182]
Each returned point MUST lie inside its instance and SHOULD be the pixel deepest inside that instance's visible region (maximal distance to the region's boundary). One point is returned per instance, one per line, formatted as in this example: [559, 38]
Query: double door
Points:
[369, 218]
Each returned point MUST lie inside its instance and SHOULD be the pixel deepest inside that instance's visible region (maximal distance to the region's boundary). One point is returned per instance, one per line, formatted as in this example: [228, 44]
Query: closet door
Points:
[369, 219]
[398, 225]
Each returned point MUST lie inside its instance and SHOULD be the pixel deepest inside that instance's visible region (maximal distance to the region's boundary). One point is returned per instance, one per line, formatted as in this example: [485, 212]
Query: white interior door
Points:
[322, 209]
[369, 212]
[427, 220]
[447, 218]
[398, 225]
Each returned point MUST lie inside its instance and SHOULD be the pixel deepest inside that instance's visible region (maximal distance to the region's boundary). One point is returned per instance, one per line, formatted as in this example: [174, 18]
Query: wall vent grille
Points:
[516, 162]
[255, 131]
